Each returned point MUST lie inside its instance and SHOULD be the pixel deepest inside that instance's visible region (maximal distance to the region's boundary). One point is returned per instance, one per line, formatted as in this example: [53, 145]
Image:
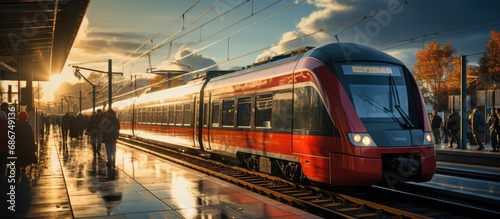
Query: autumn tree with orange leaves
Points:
[489, 64]
[438, 74]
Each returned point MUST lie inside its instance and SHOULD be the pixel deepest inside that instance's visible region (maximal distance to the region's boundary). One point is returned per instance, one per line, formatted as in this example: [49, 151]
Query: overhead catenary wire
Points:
[273, 45]
[439, 34]
[163, 29]
[168, 39]
[270, 46]
[304, 35]
[240, 30]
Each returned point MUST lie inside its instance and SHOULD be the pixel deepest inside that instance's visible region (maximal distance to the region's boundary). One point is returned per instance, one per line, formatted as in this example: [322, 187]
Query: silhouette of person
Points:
[478, 128]
[4, 139]
[454, 126]
[65, 123]
[25, 141]
[110, 129]
[436, 127]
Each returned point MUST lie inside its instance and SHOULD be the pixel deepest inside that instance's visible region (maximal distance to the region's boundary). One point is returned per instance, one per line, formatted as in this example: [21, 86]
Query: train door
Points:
[196, 127]
[206, 123]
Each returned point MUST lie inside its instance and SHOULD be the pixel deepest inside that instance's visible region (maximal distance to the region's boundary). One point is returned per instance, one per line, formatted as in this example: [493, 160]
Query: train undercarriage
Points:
[290, 170]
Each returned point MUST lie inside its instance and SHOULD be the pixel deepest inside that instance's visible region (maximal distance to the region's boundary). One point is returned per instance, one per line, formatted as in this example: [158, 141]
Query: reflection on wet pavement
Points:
[141, 186]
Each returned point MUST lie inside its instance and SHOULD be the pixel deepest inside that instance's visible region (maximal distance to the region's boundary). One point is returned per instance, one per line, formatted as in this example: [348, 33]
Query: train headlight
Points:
[357, 138]
[361, 139]
[428, 138]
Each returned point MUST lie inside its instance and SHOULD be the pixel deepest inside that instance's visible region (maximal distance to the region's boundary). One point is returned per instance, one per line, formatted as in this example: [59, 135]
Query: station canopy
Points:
[37, 36]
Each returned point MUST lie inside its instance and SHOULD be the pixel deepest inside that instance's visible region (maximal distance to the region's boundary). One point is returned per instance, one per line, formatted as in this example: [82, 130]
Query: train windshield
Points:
[379, 93]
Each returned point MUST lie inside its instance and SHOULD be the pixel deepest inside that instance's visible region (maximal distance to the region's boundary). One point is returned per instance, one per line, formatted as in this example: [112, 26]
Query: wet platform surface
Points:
[468, 187]
[69, 182]
[469, 159]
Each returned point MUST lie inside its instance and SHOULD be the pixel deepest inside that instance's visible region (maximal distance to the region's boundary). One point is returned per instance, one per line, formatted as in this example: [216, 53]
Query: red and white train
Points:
[341, 113]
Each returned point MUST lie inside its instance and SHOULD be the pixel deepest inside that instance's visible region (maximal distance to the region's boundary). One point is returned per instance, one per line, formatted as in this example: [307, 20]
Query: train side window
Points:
[143, 115]
[138, 115]
[154, 112]
[228, 113]
[188, 116]
[150, 115]
[157, 115]
[164, 115]
[215, 113]
[310, 114]
[207, 114]
[282, 113]
[171, 115]
[178, 114]
[263, 110]
[244, 112]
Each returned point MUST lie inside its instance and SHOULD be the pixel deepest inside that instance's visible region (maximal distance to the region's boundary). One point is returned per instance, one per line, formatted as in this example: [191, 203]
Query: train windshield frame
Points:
[378, 92]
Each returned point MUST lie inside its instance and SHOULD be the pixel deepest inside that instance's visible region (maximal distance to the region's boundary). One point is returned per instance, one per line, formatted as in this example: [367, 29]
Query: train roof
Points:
[328, 53]
[347, 52]
[332, 52]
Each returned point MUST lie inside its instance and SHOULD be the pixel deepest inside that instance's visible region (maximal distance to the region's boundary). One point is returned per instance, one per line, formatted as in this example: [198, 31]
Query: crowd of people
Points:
[104, 128]
[100, 127]
[447, 131]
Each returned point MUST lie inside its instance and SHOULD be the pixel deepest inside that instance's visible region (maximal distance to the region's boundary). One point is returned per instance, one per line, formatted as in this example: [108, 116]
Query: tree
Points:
[489, 64]
[438, 73]
[37, 96]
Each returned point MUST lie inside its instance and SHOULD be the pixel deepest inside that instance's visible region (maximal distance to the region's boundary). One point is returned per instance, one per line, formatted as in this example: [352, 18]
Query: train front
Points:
[377, 107]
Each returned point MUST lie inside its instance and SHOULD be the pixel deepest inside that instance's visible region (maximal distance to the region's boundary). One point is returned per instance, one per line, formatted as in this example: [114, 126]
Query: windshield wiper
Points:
[381, 107]
[394, 93]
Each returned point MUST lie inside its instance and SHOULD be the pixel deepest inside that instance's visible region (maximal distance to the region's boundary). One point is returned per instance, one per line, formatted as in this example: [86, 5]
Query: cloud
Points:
[93, 44]
[186, 59]
[327, 10]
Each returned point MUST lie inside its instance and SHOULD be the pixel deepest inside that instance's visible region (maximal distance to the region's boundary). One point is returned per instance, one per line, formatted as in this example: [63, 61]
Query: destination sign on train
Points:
[371, 70]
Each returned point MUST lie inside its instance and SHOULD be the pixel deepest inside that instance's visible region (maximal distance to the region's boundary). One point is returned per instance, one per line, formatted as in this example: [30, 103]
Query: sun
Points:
[51, 86]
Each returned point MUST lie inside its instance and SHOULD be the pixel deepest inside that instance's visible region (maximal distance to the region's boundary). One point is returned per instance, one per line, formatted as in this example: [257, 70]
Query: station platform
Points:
[468, 155]
[69, 182]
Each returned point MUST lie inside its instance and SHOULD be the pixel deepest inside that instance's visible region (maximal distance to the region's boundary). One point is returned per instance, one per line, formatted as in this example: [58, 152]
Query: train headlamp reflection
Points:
[361, 139]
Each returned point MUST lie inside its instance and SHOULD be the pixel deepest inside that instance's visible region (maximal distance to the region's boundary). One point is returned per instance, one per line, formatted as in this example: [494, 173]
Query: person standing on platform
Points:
[47, 123]
[478, 128]
[25, 142]
[493, 123]
[496, 148]
[4, 140]
[65, 123]
[453, 126]
[5, 107]
[41, 125]
[436, 123]
[94, 131]
[444, 131]
[110, 129]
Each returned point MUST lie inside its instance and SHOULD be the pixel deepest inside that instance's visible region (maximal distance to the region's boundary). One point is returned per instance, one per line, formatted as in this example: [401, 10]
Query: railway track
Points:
[327, 202]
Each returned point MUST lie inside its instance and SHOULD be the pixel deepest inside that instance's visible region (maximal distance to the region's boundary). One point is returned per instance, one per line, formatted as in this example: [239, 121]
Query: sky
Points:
[140, 35]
